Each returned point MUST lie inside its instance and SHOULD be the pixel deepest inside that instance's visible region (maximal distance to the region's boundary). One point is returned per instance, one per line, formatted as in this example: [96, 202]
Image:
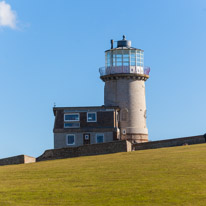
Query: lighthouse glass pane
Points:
[119, 63]
[126, 57]
[133, 63]
[119, 57]
[119, 53]
[113, 63]
[125, 51]
[142, 56]
[132, 55]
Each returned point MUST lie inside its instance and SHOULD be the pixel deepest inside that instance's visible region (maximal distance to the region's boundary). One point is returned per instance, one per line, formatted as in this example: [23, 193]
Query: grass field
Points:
[168, 176]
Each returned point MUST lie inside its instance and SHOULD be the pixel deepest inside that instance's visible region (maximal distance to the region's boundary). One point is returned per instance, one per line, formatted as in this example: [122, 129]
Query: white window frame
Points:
[67, 139]
[102, 134]
[71, 120]
[92, 113]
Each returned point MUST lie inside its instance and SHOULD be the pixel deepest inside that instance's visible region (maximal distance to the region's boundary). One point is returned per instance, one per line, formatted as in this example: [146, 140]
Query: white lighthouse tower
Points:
[124, 75]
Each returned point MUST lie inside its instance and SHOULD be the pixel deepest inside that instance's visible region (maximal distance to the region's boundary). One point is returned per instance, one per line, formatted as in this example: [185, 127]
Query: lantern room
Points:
[123, 59]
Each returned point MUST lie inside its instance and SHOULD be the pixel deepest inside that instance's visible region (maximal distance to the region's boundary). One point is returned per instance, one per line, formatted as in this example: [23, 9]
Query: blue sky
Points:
[50, 51]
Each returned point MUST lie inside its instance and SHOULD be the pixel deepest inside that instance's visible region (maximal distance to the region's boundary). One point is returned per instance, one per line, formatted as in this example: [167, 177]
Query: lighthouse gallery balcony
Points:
[124, 70]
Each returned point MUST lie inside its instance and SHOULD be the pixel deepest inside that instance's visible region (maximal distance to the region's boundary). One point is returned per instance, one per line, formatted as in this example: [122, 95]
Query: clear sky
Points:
[50, 51]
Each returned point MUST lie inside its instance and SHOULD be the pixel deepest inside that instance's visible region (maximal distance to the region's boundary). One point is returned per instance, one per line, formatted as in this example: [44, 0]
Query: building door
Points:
[86, 138]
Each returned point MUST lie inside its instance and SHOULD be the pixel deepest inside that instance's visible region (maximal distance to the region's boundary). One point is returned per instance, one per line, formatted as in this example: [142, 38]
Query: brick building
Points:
[76, 126]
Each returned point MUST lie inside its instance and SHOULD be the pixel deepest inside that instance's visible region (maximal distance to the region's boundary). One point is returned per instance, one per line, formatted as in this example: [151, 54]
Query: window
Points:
[124, 114]
[71, 117]
[70, 139]
[133, 63]
[108, 57]
[99, 138]
[126, 64]
[119, 63]
[71, 120]
[71, 125]
[91, 117]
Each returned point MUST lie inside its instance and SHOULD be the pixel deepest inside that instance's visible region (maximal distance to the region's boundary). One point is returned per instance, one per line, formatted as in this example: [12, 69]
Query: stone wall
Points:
[86, 150]
[103, 148]
[170, 142]
[20, 159]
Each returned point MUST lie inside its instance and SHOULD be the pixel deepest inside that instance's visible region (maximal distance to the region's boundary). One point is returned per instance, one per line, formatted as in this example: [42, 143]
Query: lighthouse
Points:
[124, 76]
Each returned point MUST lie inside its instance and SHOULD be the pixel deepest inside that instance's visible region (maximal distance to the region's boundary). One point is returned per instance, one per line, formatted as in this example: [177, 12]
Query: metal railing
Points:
[124, 70]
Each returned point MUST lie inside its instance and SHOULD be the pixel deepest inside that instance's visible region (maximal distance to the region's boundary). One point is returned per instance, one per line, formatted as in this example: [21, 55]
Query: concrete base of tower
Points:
[135, 138]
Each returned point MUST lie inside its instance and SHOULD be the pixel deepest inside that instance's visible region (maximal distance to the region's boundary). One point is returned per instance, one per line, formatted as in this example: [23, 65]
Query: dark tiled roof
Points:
[82, 109]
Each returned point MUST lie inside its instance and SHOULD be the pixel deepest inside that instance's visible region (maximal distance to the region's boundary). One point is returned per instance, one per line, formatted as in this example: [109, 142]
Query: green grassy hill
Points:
[168, 176]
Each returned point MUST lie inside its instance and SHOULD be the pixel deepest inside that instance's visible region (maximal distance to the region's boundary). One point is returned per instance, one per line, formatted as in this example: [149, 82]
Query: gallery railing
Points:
[123, 70]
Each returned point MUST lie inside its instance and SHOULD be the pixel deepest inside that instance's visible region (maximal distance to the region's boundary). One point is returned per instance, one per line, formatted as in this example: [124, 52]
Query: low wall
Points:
[170, 142]
[86, 150]
[102, 148]
[20, 159]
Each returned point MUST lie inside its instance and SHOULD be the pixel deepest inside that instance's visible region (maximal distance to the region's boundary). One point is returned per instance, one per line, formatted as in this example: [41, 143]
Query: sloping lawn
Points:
[168, 176]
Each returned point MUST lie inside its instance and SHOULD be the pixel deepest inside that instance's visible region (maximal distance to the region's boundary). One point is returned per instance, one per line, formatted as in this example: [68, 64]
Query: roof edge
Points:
[84, 107]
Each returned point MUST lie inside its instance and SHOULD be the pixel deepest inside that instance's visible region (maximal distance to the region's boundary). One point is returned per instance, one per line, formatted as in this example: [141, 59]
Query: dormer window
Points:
[91, 116]
[71, 120]
[73, 117]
